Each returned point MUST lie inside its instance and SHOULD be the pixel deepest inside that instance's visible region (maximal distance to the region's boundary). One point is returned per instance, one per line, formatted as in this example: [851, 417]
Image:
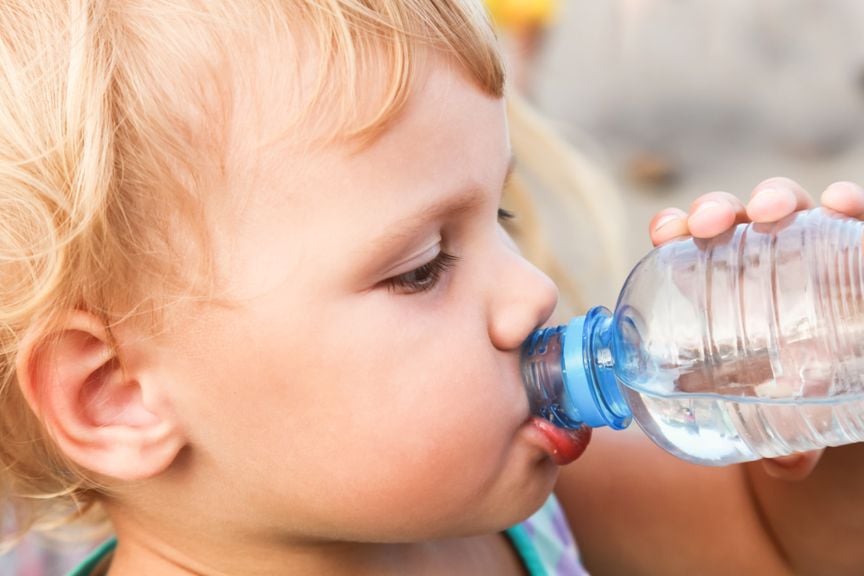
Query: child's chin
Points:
[533, 495]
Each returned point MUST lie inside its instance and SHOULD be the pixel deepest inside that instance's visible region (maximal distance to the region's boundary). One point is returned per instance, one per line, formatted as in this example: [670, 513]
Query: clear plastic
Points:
[745, 346]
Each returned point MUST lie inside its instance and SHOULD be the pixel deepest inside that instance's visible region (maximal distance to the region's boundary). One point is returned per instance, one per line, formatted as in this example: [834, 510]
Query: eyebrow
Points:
[446, 207]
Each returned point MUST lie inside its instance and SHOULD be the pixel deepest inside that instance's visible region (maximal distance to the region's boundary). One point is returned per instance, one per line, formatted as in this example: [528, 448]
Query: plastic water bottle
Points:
[745, 346]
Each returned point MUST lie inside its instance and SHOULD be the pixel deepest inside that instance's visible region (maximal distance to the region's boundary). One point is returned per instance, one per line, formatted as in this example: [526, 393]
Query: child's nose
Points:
[522, 299]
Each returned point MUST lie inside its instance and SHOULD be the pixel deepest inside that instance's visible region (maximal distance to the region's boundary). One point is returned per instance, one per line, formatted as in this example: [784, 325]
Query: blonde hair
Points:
[114, 126]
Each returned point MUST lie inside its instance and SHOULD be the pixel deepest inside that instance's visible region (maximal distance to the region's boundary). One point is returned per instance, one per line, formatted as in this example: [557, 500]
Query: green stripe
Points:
[94, 558]
[527, 551]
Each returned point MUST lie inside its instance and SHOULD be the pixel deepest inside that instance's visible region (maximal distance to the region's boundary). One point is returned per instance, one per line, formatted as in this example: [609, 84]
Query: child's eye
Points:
[505, 215]
[422, 278]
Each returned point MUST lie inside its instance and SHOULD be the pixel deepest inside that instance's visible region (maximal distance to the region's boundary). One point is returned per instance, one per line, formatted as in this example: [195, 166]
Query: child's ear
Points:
[103, 417]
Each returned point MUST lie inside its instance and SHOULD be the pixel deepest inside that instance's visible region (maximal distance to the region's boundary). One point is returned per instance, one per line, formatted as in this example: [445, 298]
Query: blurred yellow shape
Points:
[522, 13]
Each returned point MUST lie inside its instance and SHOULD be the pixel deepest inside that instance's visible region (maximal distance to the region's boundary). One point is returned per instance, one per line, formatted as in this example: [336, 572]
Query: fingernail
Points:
[665, 220]
[705, 217]
[844, 193]
[778, 198]
[707, 205]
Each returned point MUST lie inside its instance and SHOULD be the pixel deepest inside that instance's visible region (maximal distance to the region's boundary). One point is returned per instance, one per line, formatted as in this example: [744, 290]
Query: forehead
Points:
[450, 136]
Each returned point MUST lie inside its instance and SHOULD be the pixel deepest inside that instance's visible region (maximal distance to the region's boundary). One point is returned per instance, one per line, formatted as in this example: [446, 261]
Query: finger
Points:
[776, 198]
[714, 213]
[845, 197]
[668, 224]
[794, 467]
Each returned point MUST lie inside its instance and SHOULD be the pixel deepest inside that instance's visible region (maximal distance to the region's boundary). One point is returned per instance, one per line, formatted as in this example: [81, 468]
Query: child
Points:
[257, 305]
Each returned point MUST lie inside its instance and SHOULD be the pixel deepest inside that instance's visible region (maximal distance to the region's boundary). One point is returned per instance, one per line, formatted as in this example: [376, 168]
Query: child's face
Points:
[366, 386]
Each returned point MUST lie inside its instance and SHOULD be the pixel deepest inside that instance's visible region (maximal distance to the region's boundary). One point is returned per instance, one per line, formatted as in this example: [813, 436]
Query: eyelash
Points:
[426, 277]
[422, 278]
[505, 215]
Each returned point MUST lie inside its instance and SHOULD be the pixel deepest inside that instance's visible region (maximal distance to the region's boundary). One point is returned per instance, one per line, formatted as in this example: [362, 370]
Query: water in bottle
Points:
[744, 346]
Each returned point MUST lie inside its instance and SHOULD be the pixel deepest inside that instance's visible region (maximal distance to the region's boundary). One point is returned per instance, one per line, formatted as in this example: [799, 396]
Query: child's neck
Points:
[489, 554]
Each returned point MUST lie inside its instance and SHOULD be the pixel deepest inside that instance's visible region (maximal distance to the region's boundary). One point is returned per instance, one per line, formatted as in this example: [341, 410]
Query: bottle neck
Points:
[569, 373]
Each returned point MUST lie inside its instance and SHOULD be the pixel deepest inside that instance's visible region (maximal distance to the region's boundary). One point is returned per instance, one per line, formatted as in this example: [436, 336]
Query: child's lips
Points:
[564, 446]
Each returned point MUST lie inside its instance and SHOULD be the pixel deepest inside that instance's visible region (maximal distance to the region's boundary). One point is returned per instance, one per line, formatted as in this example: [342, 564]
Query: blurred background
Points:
[674, 98]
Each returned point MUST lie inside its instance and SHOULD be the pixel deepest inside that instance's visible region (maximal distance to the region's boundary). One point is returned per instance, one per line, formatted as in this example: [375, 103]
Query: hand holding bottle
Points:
[771, 200]
[715, 212]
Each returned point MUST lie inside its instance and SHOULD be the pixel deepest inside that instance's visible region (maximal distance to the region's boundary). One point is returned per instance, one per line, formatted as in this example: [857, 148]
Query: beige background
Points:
[724, 93]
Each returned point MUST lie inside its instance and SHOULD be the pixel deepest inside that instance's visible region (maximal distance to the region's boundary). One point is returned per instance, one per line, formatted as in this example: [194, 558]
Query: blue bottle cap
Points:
[592, 389]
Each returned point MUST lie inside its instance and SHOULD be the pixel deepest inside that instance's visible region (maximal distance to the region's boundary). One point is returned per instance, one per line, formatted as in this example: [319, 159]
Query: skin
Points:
[636, 510]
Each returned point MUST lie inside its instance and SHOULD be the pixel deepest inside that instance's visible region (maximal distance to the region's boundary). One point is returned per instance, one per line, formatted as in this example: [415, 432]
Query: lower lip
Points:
[563, 446]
